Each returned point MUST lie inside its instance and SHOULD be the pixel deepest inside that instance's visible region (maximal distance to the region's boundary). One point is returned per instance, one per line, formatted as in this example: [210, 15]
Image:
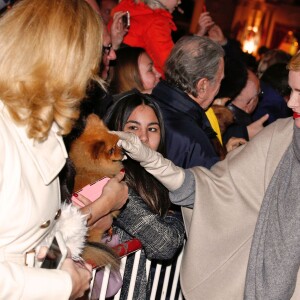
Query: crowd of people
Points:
[212, 146]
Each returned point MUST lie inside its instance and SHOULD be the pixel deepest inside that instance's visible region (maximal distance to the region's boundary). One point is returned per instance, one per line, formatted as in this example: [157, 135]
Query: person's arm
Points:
[205, 22]
[158, 42]
[117, 30]
[185, 195]
[160, 236]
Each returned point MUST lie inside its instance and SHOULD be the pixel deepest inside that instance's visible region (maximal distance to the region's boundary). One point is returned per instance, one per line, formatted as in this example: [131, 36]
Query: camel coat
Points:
[221, 225]
[29, 204]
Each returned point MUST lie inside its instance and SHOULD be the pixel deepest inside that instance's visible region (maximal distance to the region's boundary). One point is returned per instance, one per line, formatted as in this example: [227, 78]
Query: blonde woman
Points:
[50, 50]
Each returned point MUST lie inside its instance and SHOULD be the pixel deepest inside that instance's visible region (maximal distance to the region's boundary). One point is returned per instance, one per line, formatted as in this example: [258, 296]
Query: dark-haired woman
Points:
[145, 215]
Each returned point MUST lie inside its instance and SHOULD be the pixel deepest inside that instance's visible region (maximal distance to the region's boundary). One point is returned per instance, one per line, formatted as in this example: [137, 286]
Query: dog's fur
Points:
[224, 116]
[95, 154]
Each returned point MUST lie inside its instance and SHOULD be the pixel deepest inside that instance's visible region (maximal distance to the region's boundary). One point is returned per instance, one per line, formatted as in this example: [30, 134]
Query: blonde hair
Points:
[50, 50]
[294, 64]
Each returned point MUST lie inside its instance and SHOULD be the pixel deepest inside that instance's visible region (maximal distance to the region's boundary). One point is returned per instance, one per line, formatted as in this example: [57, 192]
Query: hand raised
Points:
[118, 31]
[255, 127]
[205, 22]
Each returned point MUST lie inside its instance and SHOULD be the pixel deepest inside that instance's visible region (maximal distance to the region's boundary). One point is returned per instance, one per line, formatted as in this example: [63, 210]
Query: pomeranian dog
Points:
[95, 154]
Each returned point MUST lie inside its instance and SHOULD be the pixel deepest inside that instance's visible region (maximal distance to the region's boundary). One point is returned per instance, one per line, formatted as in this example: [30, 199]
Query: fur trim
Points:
[73, 226]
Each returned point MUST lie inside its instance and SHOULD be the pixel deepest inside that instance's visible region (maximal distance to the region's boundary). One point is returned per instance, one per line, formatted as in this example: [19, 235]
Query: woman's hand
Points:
[205, 22]
[81, 276]
[171, 176]
[134, 147]
[216, 34]
[115, 192]
[113, 197]
[85, 201]
[117, 30]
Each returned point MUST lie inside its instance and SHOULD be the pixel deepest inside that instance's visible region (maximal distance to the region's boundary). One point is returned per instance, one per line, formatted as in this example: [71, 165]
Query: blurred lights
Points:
[289, 43]
[251, 40]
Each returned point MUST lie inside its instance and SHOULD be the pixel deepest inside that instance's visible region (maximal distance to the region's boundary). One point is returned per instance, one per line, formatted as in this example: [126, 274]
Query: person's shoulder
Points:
[280, 125]
[278, 134]
[189, 139]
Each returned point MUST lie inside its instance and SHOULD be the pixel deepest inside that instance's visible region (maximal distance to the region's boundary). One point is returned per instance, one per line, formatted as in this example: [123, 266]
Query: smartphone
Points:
[91, 191]
[126, 20]
[56, 254]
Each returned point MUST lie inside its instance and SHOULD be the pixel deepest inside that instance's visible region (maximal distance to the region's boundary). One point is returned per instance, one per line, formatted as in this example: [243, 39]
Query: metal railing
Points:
[165, 282]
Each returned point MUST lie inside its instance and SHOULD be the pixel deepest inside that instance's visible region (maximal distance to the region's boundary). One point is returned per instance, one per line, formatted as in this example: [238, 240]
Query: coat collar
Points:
[49, 156]
[177, 99]
[180, 102]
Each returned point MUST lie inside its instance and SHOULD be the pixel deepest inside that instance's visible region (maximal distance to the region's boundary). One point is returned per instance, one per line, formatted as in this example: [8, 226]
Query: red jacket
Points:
[149, 29]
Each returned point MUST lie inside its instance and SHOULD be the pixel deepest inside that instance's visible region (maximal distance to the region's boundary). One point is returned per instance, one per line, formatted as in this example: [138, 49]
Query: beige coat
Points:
[221, 225]
[29, 198]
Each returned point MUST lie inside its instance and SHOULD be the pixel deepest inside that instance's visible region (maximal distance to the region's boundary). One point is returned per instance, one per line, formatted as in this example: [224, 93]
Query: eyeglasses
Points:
[106, 49]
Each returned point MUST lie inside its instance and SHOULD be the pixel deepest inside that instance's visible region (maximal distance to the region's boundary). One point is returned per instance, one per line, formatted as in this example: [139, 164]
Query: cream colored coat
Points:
[221, 225]
[29, 197]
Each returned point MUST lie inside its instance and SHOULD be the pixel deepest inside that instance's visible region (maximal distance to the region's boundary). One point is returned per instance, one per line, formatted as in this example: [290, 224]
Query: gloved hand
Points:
[162, 169]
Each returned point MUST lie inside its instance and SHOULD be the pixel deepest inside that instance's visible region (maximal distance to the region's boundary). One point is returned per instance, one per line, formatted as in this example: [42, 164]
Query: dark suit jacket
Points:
[188, 131]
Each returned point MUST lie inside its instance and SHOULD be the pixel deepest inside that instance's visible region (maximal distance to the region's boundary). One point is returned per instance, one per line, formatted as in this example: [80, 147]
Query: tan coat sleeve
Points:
[221, 225]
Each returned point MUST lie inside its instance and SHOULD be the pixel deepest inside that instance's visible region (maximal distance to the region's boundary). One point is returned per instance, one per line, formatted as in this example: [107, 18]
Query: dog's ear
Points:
[95, 123]
[96, 149]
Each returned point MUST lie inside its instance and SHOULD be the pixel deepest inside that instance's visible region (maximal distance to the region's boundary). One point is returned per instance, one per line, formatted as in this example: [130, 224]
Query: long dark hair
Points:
[155, 195]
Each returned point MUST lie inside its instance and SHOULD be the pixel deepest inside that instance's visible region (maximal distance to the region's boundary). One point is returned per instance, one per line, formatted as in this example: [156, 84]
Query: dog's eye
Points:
[111, 151]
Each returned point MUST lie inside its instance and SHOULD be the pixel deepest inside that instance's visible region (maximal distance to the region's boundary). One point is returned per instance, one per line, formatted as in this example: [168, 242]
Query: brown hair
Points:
[125, 74]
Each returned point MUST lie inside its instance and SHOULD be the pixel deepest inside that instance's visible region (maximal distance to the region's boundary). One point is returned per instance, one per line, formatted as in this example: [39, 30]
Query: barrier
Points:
[164, 278]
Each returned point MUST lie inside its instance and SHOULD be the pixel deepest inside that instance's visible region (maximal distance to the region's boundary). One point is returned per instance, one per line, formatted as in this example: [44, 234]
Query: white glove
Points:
[162, 169]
